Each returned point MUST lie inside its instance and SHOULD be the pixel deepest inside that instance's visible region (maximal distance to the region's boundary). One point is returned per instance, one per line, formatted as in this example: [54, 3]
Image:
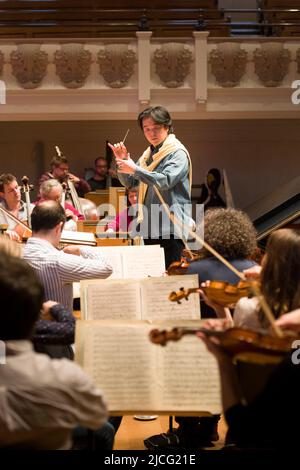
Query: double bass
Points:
[84, 206]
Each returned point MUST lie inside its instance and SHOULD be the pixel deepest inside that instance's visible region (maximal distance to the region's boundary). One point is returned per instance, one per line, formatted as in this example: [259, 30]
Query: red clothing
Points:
[75, 211]
[121, 222]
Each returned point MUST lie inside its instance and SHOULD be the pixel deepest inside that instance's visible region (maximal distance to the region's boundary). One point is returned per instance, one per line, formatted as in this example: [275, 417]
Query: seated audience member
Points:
[52, 190]
[59, 170]
[103, 176]
[11, 201]
[41, 400]
[56, 269]
[122, 221]
[271, 419]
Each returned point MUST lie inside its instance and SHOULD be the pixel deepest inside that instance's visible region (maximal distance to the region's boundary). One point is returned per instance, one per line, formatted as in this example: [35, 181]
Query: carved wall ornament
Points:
[29, 65]
[173, 63]
[228, 63]
[116, 63]
[271, 63]
[298, 60]
[73, 64]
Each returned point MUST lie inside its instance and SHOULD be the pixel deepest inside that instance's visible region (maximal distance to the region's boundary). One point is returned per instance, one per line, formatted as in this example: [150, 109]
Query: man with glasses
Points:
[59, 170]
[164, 166]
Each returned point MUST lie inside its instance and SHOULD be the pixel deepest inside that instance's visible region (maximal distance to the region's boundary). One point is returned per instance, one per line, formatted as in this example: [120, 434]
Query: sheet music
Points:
[115, 260]
[143, 263]
[119, 360]
[156, 304]
[199, 384]
[139, 376]
[135, 262]
[110, 299]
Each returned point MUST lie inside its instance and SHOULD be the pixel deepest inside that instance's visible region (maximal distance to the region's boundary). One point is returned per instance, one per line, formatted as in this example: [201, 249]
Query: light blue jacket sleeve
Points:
[172, 169]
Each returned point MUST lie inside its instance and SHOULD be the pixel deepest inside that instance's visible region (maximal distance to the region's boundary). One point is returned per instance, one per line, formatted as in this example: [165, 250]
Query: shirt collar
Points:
[156, 149]
[17, 346]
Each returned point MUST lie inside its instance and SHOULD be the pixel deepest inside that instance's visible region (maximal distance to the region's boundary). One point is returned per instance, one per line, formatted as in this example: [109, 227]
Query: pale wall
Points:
[258, 155]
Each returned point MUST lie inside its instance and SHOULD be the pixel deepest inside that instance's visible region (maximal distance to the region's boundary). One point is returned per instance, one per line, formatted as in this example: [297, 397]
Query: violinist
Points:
[59, 169]
[56, 269]
[272, 419]
[280, 282]
[232, 234]
[52, 190]
[11, 201]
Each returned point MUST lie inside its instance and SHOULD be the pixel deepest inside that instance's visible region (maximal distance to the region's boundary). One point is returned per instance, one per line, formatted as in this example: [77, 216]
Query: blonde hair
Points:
[10, 247]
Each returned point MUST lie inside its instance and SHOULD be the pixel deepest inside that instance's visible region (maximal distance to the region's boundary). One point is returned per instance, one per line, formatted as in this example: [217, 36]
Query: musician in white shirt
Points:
[12, 203]
[56, 269]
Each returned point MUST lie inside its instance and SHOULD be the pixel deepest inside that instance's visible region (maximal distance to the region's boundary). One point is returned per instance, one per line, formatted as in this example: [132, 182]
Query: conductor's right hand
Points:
[119, 150]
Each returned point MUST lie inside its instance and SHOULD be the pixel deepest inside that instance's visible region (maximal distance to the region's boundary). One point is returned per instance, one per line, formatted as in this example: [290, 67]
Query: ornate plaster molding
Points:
[73, 64]
[228, 63]
[173, 62]
[116, 63]
[271, 63]
[29, 65]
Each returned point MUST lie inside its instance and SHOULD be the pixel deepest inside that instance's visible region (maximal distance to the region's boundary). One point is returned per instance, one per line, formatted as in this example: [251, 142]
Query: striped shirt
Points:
[58, 270]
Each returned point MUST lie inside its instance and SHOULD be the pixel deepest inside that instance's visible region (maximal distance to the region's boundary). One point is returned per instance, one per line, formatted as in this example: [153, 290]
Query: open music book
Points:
[135, 262]
[138, 376]
[132, 262]
[143, 299]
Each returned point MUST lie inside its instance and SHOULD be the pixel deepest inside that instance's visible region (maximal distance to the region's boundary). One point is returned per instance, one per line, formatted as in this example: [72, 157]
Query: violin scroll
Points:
[162, 337]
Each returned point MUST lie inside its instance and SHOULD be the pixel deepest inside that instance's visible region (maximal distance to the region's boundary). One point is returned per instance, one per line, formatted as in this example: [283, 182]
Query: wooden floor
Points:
[132, 432]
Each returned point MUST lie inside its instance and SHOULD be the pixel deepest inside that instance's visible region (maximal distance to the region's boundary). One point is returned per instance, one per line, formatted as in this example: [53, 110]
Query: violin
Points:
[240, 343]
[220, 292]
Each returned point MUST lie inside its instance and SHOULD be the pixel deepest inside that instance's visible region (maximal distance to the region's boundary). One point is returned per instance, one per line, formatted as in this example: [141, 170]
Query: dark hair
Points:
[159, 115]
[100, 158]
[280, 275]
[133, 189]
[58, 160]
[6, 178]
[46, 215]
[230, 232]
[21, 298]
